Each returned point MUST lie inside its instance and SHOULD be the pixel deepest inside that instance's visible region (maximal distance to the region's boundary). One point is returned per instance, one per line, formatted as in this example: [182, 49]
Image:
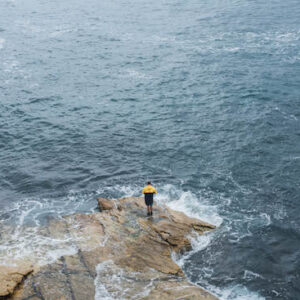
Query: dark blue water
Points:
[201, 97]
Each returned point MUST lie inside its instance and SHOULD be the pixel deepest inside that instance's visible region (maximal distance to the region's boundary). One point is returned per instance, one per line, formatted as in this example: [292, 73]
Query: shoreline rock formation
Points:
[121, 254]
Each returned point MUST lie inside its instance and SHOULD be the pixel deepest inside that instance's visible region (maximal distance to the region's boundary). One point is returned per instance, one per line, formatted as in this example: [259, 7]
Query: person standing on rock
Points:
[148, 191]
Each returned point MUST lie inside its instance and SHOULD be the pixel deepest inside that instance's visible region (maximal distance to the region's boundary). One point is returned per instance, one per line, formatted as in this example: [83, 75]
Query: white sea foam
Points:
[249, 275]
[232, 49]
[32, 244]
[28, 239]
[119, 190]
[198, 242]
[133, 74]
[136, 74]
[100, 290]
[34, 210]
[255, 222]
[266, 219]
[236, 292]
[162, 39]
[189, 203]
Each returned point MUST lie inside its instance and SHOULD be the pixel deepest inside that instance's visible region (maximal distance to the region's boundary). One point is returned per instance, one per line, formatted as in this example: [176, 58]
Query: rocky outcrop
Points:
[121, 254]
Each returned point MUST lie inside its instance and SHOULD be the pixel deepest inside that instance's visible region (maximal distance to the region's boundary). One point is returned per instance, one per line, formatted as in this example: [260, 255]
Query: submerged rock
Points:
[120, 254]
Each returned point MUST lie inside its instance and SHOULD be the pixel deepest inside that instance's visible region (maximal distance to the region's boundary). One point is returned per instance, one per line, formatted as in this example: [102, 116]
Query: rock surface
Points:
[11, 277]
[105, 204]
[121, 254]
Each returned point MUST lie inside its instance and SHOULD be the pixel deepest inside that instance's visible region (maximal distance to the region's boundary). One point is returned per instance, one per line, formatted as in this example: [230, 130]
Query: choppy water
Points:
[201, 97]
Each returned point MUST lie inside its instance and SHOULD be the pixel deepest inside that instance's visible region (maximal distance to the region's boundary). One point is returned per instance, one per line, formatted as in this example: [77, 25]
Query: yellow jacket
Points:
[149, 189]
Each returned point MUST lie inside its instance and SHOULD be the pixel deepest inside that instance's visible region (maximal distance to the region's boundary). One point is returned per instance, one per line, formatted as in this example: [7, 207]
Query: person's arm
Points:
[143, 191]
[155, 191]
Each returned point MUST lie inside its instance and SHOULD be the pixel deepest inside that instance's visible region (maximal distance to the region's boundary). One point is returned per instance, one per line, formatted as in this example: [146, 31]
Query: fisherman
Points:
[149, 190]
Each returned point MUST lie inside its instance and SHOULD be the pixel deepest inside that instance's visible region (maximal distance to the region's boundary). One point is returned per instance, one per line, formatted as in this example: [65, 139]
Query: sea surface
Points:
[200, 97]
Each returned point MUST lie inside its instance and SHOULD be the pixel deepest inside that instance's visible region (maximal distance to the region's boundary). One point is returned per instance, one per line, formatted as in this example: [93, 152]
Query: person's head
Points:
[149, 182]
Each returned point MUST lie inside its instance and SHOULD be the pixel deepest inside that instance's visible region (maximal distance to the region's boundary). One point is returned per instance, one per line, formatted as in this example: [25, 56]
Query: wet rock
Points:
[120, 253]
[171, 290]
[105, 204]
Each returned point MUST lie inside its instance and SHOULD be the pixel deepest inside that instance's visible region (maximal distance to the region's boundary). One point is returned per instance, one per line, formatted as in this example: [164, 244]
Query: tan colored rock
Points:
[105, 204]
[126, 254]
[11, 277]
[171, 290]
[180, 218]
[146, 253]
[86, 230]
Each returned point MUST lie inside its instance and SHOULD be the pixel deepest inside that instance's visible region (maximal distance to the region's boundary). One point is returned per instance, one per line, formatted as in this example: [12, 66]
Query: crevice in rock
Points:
[166, 239]
[103, 227]
[37, 290]
[18, 285]
[82, 260]
[65, 272]
[203, 227]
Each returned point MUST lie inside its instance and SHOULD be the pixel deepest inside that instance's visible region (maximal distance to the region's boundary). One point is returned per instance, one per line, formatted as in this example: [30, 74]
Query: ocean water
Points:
[201, 97]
